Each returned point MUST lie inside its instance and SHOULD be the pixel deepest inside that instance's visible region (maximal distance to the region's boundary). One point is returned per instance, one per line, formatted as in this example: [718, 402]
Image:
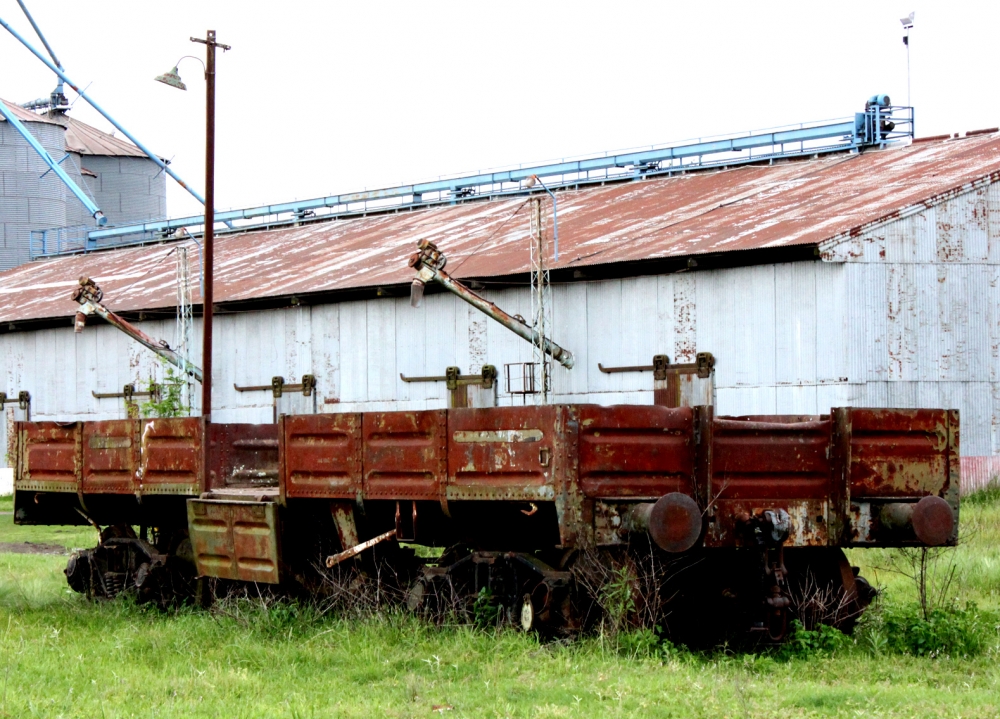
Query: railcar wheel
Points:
[825, 588]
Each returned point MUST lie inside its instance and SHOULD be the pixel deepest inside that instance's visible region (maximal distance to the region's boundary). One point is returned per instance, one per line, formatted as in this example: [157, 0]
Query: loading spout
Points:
[89, 296]
[429, 263]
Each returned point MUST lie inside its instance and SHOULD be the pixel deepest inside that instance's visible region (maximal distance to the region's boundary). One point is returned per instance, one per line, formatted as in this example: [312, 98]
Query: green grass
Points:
[69, 537]
[61, 656]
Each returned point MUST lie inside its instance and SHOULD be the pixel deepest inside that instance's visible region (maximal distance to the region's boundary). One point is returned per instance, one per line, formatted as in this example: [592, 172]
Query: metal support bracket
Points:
[23, 401]
[702, 366]
[128, 392]
[278, 386]
[455, 379]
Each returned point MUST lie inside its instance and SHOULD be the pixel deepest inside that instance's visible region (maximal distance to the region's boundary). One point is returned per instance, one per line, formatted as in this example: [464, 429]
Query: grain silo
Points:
[128, 186]
[31, 196]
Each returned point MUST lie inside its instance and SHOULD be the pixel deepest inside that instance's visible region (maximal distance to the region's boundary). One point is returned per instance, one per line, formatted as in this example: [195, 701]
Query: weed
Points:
[638, 643]
[985, 497]
[486, 610]
[803, 642]
[616, 598]
[166, 397]
[932, 571]
[950, 631]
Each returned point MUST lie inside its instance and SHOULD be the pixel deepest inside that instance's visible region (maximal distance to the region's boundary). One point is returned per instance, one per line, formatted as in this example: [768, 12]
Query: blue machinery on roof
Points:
[880, 124]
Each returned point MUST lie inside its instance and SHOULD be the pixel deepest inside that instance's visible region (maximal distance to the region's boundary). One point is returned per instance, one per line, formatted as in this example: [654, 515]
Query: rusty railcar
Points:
[742, 507]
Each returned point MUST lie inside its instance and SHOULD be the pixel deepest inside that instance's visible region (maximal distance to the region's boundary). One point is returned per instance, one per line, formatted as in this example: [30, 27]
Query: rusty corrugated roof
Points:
[742, 208]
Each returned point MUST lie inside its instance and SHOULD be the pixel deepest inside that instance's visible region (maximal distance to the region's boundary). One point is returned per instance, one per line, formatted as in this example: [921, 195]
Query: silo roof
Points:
[87, 140]
[25, 115]
[80, 137]
[793, 204]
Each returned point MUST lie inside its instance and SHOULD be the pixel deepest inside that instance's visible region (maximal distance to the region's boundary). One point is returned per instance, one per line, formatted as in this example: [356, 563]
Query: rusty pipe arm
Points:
[429, 264]
[88, 295]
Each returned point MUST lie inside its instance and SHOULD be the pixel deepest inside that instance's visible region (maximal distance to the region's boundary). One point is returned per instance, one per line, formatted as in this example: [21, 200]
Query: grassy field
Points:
[61, 656]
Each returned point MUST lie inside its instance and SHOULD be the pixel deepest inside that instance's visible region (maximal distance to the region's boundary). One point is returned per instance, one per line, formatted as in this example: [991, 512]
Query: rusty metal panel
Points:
[405, 454]
[502, 453]
[321, 456]
[636, 451]
[49, 457]
[770, 462]
[171, 460]
[110, 456]
[795, 203]
[754, 459]
[242, 455]
[900, 453]
[235, 540]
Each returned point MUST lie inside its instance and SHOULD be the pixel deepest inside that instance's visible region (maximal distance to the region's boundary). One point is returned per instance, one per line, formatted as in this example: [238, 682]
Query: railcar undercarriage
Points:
[552, 518]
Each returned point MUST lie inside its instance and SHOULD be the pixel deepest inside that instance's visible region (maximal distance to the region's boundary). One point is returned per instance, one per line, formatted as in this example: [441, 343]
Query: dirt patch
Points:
[32, 548]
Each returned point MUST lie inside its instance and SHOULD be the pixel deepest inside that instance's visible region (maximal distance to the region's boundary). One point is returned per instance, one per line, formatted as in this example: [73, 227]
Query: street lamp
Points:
[174, 80]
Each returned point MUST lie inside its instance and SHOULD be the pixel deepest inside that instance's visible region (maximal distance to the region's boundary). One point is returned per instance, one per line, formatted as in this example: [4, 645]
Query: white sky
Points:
[323, 97]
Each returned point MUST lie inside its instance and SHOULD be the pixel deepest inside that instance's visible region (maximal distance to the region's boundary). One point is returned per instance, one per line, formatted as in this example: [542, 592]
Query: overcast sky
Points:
[324, 97]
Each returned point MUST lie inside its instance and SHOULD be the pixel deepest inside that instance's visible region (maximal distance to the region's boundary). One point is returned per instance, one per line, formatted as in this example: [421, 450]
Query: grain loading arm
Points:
[429, 263]
[89, 296]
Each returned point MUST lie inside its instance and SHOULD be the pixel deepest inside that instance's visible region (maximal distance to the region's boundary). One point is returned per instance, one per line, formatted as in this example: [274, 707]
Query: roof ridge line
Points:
[908, 211]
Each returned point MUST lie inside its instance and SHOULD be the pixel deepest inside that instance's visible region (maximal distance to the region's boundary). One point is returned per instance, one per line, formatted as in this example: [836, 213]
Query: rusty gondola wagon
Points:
[741, 512]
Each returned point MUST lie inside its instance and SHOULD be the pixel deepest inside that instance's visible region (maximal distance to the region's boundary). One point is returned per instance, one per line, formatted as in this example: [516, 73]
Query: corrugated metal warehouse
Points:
[865, 279]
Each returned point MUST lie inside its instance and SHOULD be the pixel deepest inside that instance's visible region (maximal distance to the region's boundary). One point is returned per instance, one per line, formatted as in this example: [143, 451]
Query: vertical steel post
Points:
[209, 253]
[206, 347]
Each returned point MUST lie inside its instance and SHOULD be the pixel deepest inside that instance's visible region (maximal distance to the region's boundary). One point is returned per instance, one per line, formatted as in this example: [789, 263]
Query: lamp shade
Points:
[171, 78]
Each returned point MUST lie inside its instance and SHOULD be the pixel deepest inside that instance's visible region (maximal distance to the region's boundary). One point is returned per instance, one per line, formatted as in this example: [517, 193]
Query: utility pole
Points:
[207, 299]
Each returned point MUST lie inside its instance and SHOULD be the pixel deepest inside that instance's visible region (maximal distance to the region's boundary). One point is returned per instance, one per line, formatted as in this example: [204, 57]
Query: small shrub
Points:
[803, 642]
[952, 631]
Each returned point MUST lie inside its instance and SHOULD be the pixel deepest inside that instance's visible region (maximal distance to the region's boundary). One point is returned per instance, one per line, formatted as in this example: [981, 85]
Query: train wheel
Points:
[825, 589]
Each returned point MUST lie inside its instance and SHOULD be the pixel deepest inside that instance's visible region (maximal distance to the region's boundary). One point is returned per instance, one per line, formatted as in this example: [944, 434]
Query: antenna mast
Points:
[541, 298]
[185, 320]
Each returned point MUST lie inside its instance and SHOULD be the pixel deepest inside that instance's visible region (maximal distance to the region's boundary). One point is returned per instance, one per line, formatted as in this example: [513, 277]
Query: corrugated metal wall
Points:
[923, 307]
[128, 189]
[770, 355]
[906, 315]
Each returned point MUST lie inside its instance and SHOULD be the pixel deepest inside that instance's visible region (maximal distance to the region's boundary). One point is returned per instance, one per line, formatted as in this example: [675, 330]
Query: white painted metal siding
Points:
[923, 309]
[767, 345]
[905, 315]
